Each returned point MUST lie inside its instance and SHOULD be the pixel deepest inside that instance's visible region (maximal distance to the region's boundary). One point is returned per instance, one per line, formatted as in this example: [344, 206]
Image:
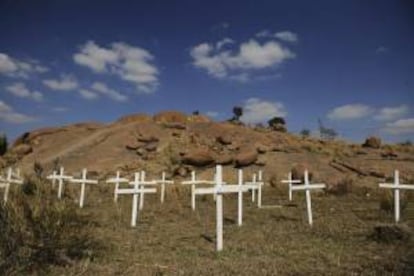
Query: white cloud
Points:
[20, 90]
[65, 83]
[88, 95]
[251, 56]
[391, 113]
[286, 36]
[105, 90]
[223, 42]
[402, 126]
[8, 115]
[7, 65]
[350, 112]
[132, 64]
[16, 68]
[257, 111]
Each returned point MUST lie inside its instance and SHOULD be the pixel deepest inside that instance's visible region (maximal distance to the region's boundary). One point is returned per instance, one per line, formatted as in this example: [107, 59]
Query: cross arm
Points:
[291, 181]
[86, 181]
[117, 180]
[308, 187]
[135, 191]
[400, 186]
[191, 182]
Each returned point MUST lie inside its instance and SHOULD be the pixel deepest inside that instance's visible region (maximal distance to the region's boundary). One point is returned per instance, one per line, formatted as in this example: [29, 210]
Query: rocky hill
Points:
[177, 143]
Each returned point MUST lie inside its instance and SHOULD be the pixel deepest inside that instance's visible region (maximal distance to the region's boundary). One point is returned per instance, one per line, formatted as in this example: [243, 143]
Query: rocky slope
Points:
[177, 143]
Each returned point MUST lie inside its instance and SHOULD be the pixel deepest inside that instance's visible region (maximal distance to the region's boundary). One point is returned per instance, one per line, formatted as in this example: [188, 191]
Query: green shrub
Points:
[3, 144]
[39, 231]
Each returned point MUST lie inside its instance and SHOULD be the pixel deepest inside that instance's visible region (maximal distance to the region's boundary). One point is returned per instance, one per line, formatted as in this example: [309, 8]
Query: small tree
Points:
[305, 133]
[196, 112]
[3, 144]
[326, 133]
[238, 112]
[277, 124]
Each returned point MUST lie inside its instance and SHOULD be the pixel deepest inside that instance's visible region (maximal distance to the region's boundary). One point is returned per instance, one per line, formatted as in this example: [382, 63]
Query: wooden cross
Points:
[5, 182]
[291, 181]
[60, 177]
[193, 182]
[219, 189]
[307, 187]
[396, 186]
[137, 190]
[162, 182]
[117, 180]
[256, 184]
[83, 181]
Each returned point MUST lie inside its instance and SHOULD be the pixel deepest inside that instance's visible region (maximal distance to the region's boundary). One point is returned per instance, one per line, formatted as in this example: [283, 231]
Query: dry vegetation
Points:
[41, 234]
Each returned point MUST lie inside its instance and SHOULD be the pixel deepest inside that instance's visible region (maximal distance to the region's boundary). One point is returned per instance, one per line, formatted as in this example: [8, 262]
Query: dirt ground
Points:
[171, 239]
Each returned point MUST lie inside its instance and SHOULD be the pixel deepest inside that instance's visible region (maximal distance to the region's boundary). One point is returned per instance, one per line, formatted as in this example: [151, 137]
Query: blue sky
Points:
[350, 63]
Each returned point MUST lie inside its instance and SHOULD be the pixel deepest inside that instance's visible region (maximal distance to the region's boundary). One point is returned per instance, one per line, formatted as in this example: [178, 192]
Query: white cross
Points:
[83, 181]
[396, 186]
[256, 184]
[307, 187]
[137, 190]
[5, 183]
[60, 177]
[219, 189]
[194, 182]
[52, 177]
[162, 182]
[142, 182]
[117, 180]
[291, 181]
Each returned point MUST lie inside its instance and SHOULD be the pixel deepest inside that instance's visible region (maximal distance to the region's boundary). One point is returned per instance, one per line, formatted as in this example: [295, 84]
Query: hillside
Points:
[176, 143]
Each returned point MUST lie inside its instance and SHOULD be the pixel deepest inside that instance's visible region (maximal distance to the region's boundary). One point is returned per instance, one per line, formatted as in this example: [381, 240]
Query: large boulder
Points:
[132, 143]
[246, 157]
[224, 159]
[198, 158]
[372, 142]
[224, 139]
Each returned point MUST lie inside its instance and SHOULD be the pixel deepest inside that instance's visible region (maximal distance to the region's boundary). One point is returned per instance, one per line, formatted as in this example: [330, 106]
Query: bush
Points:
[277, 124]
[3, 144]
[38, 231]
[305, 133]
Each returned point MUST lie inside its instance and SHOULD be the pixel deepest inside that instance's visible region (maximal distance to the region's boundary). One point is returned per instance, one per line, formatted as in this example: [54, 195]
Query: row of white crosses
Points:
[119, 180]
[11, 178]
[397, 186]
[61, 177]
[307, 187]
[138, 190]
[193, 182]
[256, 184]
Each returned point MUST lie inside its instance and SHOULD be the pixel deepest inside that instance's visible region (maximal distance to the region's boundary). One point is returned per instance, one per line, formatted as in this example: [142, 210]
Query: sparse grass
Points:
[171, 239]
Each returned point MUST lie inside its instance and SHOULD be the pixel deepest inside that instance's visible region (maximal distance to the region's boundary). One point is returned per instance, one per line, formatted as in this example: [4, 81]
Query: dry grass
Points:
[170, 239]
